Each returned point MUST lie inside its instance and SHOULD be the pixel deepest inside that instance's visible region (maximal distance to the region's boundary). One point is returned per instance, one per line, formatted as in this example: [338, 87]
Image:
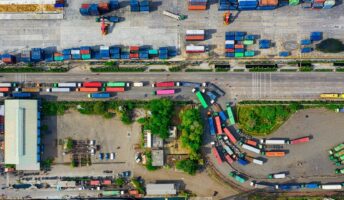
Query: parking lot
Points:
[110, 134]
[286, 24]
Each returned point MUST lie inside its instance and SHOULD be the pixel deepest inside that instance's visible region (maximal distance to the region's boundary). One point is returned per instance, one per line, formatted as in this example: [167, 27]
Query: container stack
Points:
[58, 56]
[172, 52]
[134, 52]
[114, 4]
[134, 6]
[228, 5]
[59, 3]
[85, 52]
[316, 36]
[37, 54]
[235, 44]
[144, 6]
[195, 49]
[143, 53]
[103, 7]
[8, 58]
[284, 54]
[84, 9]
[75, 54]
[247, 4]
[195, 35]
[267, 4]
[125, 53]
[49, 56]
[25, 56]
[66, 54]
[163, 53]
[294, 2]
[264, 44]
[197, 4]
[306, 42]
[93, 10]
[104, 52]
[153, 53]
[115, 52]
[306, 49]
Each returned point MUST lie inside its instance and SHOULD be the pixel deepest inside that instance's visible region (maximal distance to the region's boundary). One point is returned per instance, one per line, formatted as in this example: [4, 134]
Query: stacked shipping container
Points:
[197, 4]
[195, 35]
[235, 44]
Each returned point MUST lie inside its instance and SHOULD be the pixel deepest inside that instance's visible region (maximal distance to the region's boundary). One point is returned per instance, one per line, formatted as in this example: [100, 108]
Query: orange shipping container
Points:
[83, 89]
[275, 153]
[197, 7]
[133, 192]
[4, 89]
[272, 2]
[111, 89]
[239, 46]
[194, 37]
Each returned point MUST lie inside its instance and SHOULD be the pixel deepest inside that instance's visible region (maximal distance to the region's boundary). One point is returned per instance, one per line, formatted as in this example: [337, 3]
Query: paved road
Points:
[236, 85]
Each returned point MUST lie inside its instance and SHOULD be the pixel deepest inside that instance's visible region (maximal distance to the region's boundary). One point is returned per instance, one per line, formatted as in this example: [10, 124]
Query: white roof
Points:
[161, 189]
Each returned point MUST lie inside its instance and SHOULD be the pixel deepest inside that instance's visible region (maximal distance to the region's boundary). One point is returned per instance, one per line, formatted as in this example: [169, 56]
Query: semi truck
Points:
[8, 84]
[92, 84]
[230, 135]
[261, 185]
[277, 176]
[115, 89]
[21, 94]
[217, 155]
[211, 125]
[27, 89]
[242, 161]
[4, 89]
[238, 177]
[67, 85]
[173, 15]
[201, 99]
[188, 84]
[164, 84]
[331, 186]
[273, 153]
[164, 92]
[337, 148]
[87, 89]
[230, 114]
[299, 140]
[288, 186]
[273, 141]
[251, 148]
[138, 84]
[116, 84]
[99, 95]
[58, 90]
[218, 125]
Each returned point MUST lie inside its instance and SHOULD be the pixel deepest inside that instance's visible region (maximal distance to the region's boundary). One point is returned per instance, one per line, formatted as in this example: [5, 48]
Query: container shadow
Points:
[209, 33]
[155, 5]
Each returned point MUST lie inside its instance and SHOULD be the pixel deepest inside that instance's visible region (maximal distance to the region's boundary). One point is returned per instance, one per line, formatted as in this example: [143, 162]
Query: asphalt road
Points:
[242, 86]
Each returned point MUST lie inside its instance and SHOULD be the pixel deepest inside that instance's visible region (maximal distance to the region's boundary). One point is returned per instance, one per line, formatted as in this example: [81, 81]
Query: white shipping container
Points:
[257, 161]
[75, 52]
[331, 187]
[195, 32]
[104, 47]
[229, 42]
[195, 48]
[67, 84]
[138, 84]
[170, 14]
[257, 185]
[271, 141]
[279, 176]
[250, 148]
[2, 94]
[5, 84]
[58, 90]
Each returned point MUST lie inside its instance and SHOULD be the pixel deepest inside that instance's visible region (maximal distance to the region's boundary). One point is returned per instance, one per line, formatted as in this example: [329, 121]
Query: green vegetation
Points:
[176, 69]
[69, 144]
[238, 70]
[330, 45]
[137, 185]
[339, 63]
[73, 164]
[110, 64]
[10, 165]
[340, 69]
[189, 166]
[288, 70]
[160, 120]
[262, 120]
[149, 161]
[323, 70]
[260, 69]
[117, 69]
[142, 120]
[157, 70]
[46, 164]
[222, 69]
[54, 108]
[198, 70]
[306, 69]
[119, 182]
[126, 113]
[31, 69]
[59, 69]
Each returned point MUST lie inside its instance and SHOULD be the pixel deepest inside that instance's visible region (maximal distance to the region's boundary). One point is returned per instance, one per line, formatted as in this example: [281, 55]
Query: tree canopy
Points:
[330, 45]
[188, 166]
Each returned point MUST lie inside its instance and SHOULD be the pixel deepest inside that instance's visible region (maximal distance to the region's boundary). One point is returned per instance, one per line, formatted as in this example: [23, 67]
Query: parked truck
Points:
[273, 141]
[299, 140]
[27, 89]
[250, 148]
[8, 84]
[164, 84]
[217, 155]
[99, 95]
[273, 153]
[116, 84]
[58, 90]
[237, 177]
[173, 15]
[67, 85]
[92, 84]
[87, 89]
[218, 125]
[138, 84]
[230, 114]
[164, 92]
[188, 84]
[21, 94]
[337, 148]
[115, 89]
[4, 89]
[230, 135]
[211, 125]
[277, 176]
[201, 99]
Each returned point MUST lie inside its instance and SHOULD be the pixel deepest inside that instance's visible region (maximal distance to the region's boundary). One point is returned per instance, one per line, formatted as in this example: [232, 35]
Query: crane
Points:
[227, 18]
[104, 26]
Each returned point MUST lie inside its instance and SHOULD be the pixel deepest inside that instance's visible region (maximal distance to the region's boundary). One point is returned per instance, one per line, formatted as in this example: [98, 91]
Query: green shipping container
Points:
[239, 55]
[112, 193]
[153, 52]
[294, 2]
[58, 58]
[249, 53]
[86, 56]
[248, 42]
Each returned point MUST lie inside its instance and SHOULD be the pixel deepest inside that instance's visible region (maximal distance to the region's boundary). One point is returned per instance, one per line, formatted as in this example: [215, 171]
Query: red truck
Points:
[217, 155]
[164, 84]
[114, 89]
[92, 84]
[218, 125]
[229, 159]
[300, 140]
[230, 135]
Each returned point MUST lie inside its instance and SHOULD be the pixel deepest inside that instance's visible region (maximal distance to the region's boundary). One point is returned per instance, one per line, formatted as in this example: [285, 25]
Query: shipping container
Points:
[300, 140]
[138, 84]
[163, 84]
[258, 161]
[217, 155]
[99, 95]
[195, 49]
[188, 84]
[4, 89]
[58, 90]
[21, 94]
[195, 32]
[92, 84]
[331, 186]
[251, 142]
[66, 85]
[230, 135]
[194, 37]
[229, 159]
[211, 126]
[277, 176]
[27, 89]
[329, 95]
[218, 125]
[7, 85]
[274, 153]
[242, 161]
[312, 185]
[230, 114]
[273, 141]
[85, 89]
[261, 185]
[239, 178]
[115, 89]
[251, 148]
[116, 84]
[164, 92]
[223, 116]
[202, 101]
[288, 186]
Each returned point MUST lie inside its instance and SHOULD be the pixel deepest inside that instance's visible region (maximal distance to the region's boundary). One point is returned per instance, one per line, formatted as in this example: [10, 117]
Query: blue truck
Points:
[242, 161]
[99, 95]
[188, 84]
[21, 94]
[211, 125]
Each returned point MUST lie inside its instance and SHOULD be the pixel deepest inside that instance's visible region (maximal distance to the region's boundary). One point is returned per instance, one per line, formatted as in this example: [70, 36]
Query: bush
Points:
[198, 70]
[157, 70]
[258, 69]
[187, 165]
[137, 185]
[117, 69]
[54, 108]
[176, 69]
[110, 64]
[288, 70]
[142, 120]
[119, 181]
[221, 70]
[73, 164]
[20, 69]
[238, 70]
[330, 45]
[59, 69]
[306, 69]
[323, 70]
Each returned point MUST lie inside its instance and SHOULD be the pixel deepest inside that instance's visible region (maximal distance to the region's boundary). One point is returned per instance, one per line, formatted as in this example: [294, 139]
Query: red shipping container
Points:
[194, 37]
[230, 50]
[103, 6]
[197, 7]
[251, 142]
[85, 5]
[217, 156]
[107, 182]
[275, 153]
[300, 140]
[92, 84]
[134, 48]
[230, 135]
[118, 89]
[229, 159]
[164, 84]
[95, 182]
[239, 46]
[84, 51]
[218, 125]
[57, 54]
[7, 60]
[134, 55]
[4, 89]
[133, 192]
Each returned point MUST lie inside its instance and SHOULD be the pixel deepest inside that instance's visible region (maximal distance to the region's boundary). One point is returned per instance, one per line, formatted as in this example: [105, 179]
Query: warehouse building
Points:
[22, 134]
[161, 189]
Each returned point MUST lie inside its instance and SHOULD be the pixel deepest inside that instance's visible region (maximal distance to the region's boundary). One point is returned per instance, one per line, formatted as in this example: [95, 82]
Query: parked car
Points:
[112, 156]
[101, 156]
[126, 174]
[107, 156]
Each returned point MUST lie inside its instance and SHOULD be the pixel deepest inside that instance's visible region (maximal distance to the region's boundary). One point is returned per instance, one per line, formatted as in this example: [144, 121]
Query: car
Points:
[92, 142]
[112, 156]
[101, 156]
[126, 174]
[93, 151]
[107, 156]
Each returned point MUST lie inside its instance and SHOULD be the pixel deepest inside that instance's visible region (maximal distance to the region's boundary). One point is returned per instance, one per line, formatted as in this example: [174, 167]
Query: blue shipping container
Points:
[211, 126]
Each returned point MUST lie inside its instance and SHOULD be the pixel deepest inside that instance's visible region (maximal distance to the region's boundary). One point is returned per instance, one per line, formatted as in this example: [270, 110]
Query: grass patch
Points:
[176, 69]
[157, 70]
[238, 70]
[198, 70]
[149, 161]
[306, 69]
[323, 70]
[288, 70]
[222, 70]
[338, 64]
[259, 69]
[340, 69]
[117, 69]
[31, 70]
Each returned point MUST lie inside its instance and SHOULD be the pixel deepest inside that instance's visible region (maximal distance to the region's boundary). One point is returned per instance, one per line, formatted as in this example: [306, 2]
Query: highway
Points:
[242, 86]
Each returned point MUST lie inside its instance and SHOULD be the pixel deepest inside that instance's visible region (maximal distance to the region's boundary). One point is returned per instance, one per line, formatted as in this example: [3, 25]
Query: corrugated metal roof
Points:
[161, 189]
[21, 134]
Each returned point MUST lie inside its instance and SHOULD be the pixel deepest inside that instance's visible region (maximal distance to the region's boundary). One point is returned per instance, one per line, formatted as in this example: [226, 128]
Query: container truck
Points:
[164, 84]
[85, 89]
[300, 140]
[337, 148]
[237, 177]
[99, 95]
[4, 89]
[311, 185]
[230, 114]
[138, 84]
[218, 125]
[228, 149]
[331, 186]
[8, 85]
[92, 84]
[195, 49]
[211, 126]
[329, 96]
[30, 89]
[251, 148]
[115, 89]
[66, 85]
[339, 171]
[163, 92]
[242, 161]
[174, 16]
[21, 94]
[277, 176]
[58, 90]
[339, 153]
[273, 153]
[289, 186]
[261, 185]
[2, 94]
[258, 161]
[217, 155]
[116, 84]
[188, 84]
[229, 159]
[223, 116]
[273, 141]
[251, 142]
[201, 99]
[230, 135]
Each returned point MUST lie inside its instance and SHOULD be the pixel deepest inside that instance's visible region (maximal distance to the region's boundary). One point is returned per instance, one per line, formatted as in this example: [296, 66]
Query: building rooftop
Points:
[157, 142]
[21, 137]
[158, 158]
[161, 189]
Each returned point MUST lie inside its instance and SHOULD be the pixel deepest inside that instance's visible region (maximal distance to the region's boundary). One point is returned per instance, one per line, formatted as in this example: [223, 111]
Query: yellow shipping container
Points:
[329, 95]
[341, 96]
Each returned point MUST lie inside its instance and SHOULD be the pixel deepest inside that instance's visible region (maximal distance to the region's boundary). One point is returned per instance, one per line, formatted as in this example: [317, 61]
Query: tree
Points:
[188, 166]
[99, 108]
[119, 181]
[330, 45]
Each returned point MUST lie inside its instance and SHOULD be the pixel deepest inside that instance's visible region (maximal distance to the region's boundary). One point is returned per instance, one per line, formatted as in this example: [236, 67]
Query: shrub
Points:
[330, 45]
[187, 165]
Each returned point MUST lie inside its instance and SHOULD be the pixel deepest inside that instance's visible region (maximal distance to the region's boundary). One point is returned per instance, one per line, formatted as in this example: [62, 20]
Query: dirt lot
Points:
[108, 133]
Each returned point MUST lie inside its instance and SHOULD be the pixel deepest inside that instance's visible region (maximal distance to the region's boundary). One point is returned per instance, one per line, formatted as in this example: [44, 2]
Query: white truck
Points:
[58, 90]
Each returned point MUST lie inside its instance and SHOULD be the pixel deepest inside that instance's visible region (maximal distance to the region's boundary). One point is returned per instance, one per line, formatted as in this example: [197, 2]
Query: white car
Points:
[112, 156]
